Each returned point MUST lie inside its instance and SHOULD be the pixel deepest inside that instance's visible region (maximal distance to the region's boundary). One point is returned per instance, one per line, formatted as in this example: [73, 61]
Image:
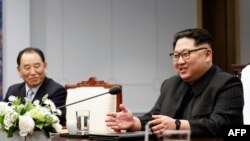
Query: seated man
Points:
[32, 68]
[201, 97]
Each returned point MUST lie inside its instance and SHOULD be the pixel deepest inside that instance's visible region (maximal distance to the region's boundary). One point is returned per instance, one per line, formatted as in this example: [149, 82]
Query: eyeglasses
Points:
[184, 54]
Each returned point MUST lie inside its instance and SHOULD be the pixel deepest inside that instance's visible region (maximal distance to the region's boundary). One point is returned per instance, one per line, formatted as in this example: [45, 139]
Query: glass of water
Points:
[82, 121]
[176, 135]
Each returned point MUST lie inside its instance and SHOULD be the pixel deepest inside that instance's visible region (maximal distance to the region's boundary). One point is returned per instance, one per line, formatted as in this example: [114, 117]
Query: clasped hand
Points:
[159, 123]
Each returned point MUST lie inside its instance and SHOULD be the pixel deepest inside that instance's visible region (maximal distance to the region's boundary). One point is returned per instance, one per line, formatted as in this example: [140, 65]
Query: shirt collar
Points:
[203, 82]
[35, 89]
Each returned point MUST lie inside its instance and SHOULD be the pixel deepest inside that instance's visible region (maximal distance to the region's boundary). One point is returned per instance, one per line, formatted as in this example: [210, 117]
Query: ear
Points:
[19, 71]
[209, 54]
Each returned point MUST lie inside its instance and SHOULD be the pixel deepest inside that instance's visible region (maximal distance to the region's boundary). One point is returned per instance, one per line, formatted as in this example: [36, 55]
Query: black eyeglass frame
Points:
[175, 59]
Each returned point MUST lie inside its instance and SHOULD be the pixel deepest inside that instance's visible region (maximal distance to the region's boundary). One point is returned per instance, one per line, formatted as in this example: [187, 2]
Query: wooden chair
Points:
[236, 69]
[98, 106]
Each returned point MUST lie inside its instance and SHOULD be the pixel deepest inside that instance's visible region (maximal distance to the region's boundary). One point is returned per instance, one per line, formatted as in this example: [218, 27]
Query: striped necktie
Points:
[30, 94]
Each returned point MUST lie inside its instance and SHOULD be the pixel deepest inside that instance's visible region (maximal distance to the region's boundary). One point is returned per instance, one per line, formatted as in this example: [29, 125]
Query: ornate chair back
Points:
[98, 106]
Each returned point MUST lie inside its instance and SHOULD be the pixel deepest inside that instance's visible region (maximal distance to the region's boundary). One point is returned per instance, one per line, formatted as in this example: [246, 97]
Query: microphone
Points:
[113, 91]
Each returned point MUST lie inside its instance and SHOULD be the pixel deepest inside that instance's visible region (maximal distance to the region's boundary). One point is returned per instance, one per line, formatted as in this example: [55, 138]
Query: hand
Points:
[161, 123]
[122, 120]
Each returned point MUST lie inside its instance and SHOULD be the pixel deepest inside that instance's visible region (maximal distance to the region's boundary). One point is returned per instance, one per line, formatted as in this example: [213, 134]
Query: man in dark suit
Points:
[32, 68]
[201, 97]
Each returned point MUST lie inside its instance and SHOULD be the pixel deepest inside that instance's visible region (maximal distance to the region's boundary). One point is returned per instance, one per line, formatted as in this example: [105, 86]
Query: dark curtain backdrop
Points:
[220, 17]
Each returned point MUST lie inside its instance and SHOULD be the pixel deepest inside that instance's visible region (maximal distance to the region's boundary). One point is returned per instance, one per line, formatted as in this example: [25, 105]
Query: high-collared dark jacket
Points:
[217, 102]
[56, 92]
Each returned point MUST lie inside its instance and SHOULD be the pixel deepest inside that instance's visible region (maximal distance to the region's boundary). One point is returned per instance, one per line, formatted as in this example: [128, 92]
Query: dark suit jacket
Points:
[217, 102]
[56, 92]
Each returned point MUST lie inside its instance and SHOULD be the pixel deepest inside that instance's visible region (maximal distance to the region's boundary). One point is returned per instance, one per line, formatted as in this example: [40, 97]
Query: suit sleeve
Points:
[154, 111]
[59, 98]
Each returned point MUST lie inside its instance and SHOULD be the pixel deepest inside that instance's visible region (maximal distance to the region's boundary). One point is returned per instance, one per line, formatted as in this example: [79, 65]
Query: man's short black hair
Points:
[200, 36]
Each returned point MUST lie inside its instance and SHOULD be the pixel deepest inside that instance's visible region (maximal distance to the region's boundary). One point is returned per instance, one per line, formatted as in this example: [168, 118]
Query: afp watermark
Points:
[240, 133]
[237, 132]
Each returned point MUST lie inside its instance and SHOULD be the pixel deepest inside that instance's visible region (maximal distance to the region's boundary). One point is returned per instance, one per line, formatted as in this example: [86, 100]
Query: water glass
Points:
[176, 135]
[82, 121]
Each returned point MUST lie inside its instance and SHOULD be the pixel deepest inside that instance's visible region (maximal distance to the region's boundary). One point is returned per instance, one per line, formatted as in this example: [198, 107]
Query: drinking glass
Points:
[176, 135]
[82, 121]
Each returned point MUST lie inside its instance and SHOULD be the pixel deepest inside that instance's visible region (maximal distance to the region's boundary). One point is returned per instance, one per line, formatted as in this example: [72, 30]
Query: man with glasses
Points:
[201, 97]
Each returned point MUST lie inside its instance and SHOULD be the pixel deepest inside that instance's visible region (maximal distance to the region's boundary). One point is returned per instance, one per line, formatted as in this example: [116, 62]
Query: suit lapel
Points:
[22, 93]
[41, 91]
